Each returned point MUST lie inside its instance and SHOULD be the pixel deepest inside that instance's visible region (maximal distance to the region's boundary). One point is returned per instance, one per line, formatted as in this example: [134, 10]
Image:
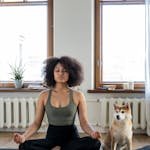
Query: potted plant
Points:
[17, 72]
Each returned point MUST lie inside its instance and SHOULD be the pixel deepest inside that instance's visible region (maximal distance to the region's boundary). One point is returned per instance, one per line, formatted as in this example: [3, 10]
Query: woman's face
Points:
[61, 75]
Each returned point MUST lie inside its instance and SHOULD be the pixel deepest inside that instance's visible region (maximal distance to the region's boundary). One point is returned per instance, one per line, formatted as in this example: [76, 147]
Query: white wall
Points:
[73, 34]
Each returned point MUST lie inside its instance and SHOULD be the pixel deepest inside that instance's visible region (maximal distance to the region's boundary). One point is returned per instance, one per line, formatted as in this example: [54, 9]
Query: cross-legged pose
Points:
[61, 103]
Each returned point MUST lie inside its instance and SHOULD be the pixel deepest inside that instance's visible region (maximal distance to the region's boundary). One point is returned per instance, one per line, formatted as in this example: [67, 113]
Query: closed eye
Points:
[64, 71]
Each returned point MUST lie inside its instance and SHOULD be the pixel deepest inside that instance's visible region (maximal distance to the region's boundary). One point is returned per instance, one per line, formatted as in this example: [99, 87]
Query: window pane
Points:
[23, 35]
[123, 42]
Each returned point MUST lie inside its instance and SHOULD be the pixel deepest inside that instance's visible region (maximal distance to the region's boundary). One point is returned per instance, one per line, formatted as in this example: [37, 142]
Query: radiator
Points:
[20, 112]
[17, 112]
[137, 108]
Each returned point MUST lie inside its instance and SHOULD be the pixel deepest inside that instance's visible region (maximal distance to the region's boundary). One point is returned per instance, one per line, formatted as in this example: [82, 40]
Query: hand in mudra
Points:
[18, 138]
[96, 135]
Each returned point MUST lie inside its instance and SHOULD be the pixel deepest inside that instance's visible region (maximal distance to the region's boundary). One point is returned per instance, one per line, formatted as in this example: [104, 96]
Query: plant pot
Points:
[18, 84]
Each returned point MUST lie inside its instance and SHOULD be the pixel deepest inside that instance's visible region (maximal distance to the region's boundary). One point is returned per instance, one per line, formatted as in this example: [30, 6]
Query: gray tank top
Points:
[63, 115]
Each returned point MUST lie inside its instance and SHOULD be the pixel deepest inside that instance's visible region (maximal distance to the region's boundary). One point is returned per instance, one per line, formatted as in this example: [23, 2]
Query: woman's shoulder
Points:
[46, 91]
[44, 94]
[77, 93]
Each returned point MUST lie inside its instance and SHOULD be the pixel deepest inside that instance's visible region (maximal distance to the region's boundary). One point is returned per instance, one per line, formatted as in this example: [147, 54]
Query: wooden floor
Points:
[139, 140]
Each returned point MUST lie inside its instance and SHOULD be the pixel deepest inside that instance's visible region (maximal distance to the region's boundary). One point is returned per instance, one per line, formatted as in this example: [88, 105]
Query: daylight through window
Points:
[23, 36]
[120, 34]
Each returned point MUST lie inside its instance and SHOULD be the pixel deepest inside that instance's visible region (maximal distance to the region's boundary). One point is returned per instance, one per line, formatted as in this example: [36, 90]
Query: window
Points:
[120, 42]
[24, 35]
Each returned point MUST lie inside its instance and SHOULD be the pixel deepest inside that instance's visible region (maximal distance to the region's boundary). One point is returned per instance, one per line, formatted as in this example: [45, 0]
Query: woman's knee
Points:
[95, 143]
[27, 145]
[21, 146]
[24, 146]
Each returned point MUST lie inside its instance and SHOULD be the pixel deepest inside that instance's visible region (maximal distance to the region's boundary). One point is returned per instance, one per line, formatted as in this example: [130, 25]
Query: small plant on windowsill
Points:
[17, 72]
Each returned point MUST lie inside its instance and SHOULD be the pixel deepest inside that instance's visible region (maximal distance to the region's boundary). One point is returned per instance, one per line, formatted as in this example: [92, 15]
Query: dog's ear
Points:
[115, 105]
[123, 103]
[128, 106]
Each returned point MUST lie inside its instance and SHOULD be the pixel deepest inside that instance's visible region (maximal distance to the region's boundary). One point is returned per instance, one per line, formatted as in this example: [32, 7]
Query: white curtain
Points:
[147, 66]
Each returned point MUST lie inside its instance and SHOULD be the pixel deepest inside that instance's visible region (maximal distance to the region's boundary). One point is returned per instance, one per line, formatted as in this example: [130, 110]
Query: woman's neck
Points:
[60, 87]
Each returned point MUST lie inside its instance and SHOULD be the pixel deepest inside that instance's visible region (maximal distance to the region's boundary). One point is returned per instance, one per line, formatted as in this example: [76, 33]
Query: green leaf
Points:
[17, 71]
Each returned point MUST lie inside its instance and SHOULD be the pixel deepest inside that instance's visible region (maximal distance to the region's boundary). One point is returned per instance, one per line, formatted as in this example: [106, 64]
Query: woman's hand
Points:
[19, 138]
[96, 135]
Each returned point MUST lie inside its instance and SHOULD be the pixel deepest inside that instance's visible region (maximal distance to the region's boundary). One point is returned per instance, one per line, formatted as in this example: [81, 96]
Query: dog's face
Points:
[122, 111]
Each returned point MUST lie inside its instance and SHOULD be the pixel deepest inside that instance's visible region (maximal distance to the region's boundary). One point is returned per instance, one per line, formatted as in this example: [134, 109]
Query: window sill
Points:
[21, 90]
[116, 91]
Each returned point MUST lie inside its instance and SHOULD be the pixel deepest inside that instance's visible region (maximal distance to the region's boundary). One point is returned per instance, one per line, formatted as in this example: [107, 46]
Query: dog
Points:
[119, 136]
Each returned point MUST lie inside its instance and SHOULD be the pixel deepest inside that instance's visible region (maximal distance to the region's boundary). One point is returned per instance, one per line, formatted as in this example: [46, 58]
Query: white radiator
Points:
[137, 108]
[17, 112]
[20, 112]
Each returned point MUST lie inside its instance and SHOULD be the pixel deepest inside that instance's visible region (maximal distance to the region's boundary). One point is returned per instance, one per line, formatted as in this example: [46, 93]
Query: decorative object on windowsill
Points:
[128, 85]
[17, 72]
[109, 87]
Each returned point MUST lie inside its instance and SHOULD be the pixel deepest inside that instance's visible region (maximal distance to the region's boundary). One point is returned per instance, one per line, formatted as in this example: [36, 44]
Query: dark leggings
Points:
[66, 137]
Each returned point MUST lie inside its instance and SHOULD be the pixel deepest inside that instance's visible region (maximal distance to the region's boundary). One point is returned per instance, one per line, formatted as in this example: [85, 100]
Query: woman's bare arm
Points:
[20, 138]
[85, 125]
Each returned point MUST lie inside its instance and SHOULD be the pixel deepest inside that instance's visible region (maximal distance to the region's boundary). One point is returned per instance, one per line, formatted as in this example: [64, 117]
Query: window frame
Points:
[98, 44]
[49, 3]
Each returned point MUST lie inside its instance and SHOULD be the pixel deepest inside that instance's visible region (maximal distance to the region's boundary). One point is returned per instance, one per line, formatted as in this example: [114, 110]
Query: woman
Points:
[61, 103]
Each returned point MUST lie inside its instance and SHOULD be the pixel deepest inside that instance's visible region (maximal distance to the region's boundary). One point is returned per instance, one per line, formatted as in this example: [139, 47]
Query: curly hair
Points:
[73, 67]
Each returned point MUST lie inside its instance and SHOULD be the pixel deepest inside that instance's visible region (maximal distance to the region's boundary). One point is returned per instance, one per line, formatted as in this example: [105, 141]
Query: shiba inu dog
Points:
[119, 136]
